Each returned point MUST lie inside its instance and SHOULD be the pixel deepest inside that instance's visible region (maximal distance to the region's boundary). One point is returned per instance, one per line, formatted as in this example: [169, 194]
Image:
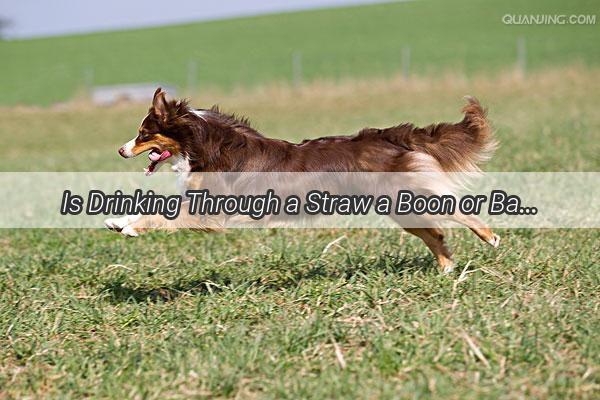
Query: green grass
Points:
[464, 36]
[259, 313]
[255, 314]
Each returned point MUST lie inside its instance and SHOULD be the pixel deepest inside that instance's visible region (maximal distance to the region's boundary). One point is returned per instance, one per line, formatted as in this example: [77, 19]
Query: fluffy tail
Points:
[460, 147]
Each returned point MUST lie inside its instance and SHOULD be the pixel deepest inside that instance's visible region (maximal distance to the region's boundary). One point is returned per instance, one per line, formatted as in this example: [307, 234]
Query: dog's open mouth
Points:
[156, 157]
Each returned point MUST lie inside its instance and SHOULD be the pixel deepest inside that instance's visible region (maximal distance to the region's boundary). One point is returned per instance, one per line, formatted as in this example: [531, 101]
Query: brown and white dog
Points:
[207, 140]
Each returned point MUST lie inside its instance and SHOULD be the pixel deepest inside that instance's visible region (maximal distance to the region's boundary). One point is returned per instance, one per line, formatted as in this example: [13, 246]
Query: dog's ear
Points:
[160, 104]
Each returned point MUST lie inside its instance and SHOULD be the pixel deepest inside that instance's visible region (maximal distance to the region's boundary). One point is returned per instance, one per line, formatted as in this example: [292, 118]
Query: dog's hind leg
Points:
[434, 239]
[479, 228]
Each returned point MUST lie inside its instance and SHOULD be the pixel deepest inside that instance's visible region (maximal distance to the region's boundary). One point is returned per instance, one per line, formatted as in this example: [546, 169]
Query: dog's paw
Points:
[122, 225]
[116, 224]
[494, 241]
[111, 223]
[448, 268]
[129, 231]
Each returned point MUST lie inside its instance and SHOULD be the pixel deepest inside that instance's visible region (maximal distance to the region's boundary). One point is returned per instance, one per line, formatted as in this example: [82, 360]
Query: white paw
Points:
[129, 231]
[116, 223]
[122, 225]
[448, 269]
[494, 241]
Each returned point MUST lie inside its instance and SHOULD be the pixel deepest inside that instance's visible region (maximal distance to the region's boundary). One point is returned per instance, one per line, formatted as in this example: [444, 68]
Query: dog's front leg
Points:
[135, 225]
[124, 225]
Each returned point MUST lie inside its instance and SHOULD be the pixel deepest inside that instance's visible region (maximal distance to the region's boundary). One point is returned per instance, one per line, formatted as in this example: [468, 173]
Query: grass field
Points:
[464, 36]
[268, 313]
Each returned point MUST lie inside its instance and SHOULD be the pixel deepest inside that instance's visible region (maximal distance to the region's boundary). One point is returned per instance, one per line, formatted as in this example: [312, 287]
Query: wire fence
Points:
[302, 67]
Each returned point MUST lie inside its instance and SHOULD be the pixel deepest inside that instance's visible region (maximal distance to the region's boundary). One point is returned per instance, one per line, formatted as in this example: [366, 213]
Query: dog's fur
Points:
[207, 140]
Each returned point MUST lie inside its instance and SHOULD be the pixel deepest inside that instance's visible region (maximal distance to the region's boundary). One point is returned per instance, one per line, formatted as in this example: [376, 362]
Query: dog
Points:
[208, 140]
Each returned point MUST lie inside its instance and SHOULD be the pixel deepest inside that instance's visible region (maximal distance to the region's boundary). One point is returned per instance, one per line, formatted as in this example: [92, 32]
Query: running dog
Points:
[208, 140]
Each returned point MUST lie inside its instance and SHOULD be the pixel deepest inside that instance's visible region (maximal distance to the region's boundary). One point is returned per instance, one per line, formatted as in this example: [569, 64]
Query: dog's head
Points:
[157, 132]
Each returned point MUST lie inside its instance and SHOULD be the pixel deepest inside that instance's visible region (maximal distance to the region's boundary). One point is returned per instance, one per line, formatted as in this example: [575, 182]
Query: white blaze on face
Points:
[128, 148]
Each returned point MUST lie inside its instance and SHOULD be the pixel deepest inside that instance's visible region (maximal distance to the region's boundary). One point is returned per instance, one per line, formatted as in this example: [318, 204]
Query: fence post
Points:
[297, 68]
[406, 62]
[521, 56]
[192, 76]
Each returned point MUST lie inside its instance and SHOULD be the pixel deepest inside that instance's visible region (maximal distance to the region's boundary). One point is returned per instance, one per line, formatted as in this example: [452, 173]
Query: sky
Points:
[39, 18]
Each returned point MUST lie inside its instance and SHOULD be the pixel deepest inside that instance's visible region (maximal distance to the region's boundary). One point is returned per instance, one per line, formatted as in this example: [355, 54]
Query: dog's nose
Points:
[122, 152]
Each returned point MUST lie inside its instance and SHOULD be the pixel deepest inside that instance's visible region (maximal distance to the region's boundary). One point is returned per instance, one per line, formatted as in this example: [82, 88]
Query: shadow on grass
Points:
[119, 291]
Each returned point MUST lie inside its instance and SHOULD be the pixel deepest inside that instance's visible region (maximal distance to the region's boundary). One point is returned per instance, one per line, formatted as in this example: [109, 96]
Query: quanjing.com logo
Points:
[549, 19]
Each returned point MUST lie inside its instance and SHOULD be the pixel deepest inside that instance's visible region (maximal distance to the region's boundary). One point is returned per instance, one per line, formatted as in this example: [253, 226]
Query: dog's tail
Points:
[460, 147]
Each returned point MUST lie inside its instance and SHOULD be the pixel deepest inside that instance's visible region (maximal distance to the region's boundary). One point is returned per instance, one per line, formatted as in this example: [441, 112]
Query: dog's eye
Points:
[144, 136]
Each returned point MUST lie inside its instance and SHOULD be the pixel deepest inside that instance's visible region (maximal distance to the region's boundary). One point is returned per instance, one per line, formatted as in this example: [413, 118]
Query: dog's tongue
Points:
[156, 156]
[164, 155]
